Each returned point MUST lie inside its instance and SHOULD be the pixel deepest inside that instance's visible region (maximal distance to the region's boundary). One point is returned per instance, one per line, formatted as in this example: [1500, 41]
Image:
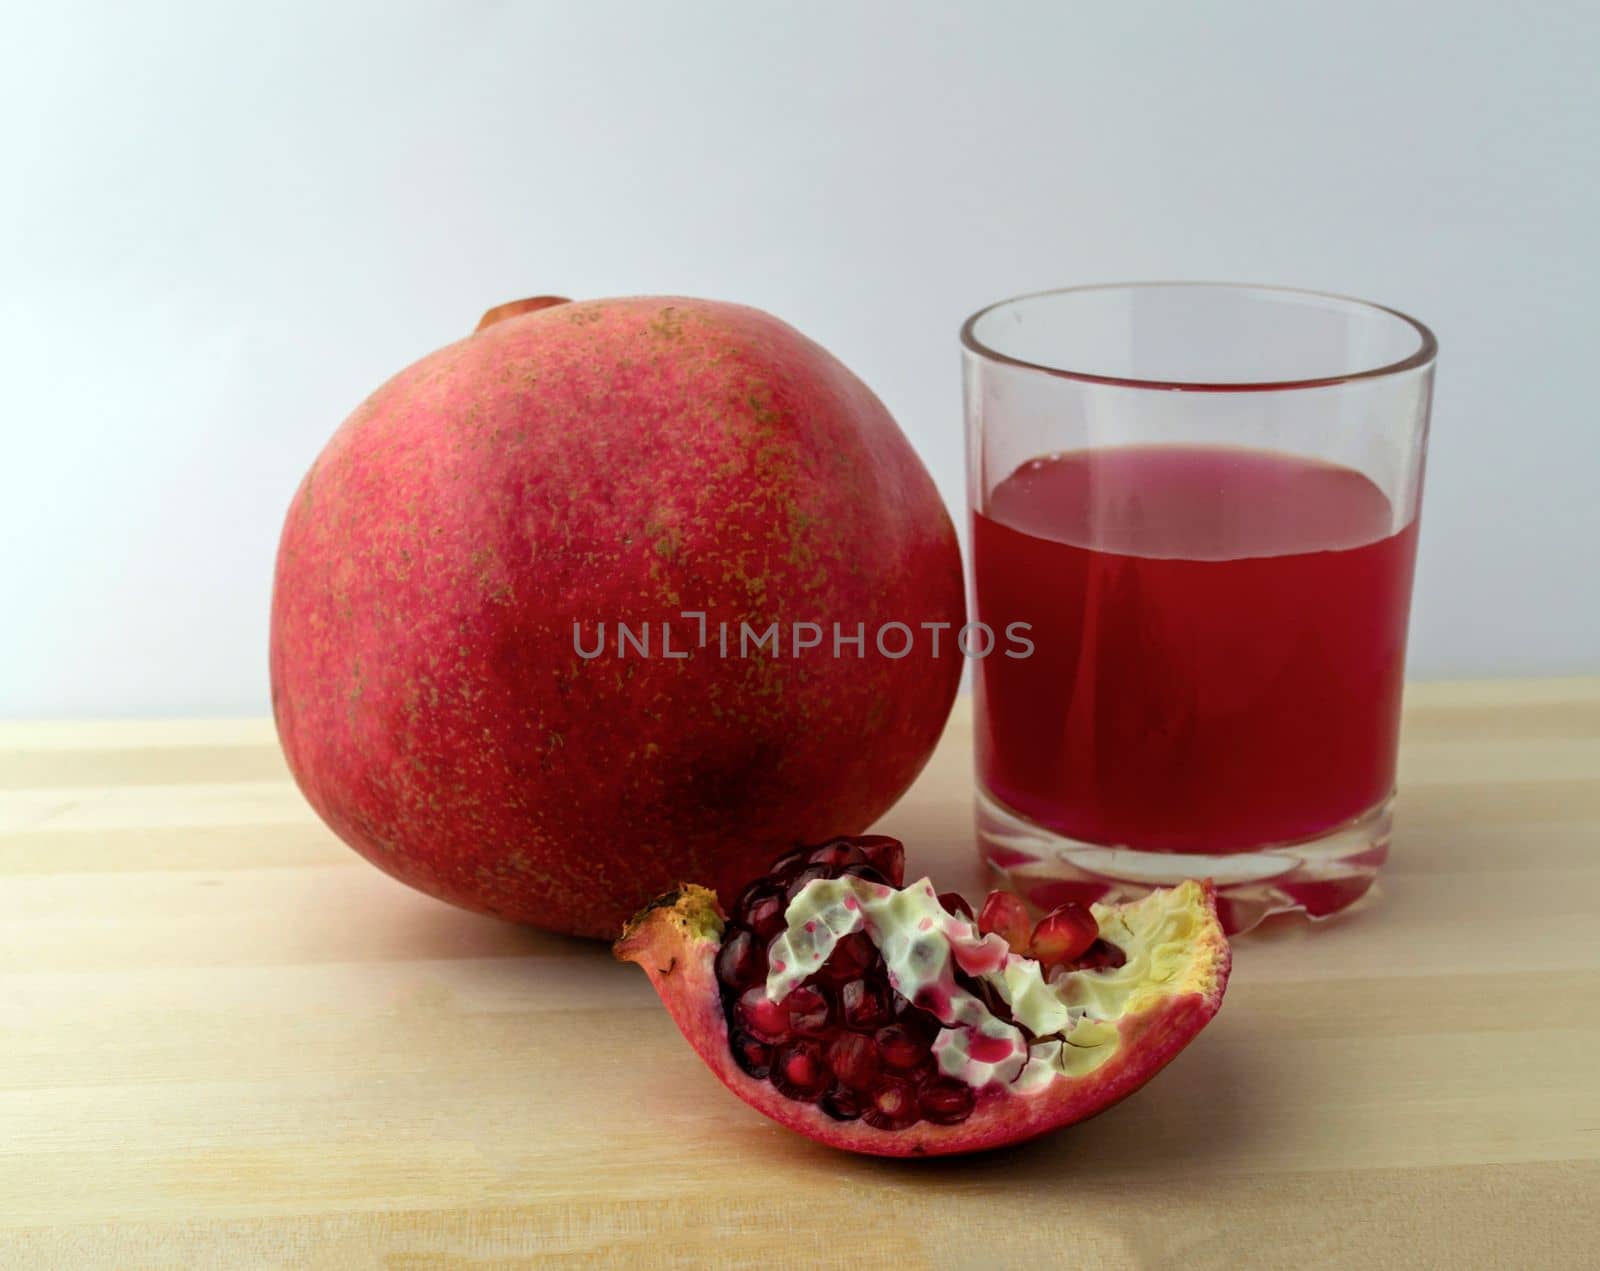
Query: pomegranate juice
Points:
[1219, 644]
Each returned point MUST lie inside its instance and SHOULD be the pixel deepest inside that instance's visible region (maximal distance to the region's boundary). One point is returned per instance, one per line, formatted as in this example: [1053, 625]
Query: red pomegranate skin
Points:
[618, 461]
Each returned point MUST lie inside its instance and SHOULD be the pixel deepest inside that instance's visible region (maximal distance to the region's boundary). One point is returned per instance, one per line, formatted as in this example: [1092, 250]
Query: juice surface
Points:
[1219, 645]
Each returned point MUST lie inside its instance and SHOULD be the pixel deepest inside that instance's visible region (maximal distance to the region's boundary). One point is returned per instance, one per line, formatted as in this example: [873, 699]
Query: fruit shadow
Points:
[434, 930]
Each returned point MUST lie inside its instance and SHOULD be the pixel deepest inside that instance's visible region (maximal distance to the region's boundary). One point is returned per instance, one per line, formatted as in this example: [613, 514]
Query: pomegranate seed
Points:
[753, 1056]
[800, 1072]
[850, 957]
[841, 1103]
[866, 873]
[901, 1048]
[944, 1101]
[810, 1009]
[886, 855]
[863, 1006]
[917, 1022]
[854, 1060]
[760, 908]
[741, 962]
[1063, 934]
[789, 863]
[768, 1021]
[797, 884]
[1102, 953]
[766, 917]
[1007, 917]
[837, 854]
[956, 905]
[894, 1105]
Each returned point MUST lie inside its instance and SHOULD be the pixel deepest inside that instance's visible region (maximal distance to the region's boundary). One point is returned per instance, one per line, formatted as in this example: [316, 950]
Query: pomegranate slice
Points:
[884, 1019]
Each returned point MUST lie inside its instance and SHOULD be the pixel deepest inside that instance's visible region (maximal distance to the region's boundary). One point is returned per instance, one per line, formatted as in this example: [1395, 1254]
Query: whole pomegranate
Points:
[568, 611]
[887, 1019]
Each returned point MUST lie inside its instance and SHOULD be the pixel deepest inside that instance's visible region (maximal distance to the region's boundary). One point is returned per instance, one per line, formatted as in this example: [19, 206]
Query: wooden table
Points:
[227, 1041]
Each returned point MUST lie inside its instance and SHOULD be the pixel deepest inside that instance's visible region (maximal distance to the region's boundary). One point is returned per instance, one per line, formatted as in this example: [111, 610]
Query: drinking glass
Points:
[1194, 514]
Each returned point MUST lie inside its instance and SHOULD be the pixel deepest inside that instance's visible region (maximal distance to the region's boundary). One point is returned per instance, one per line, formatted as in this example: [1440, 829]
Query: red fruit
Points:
[893, 1105]
[761, 1017]
[900, 1048]
[754, 1056]
[1103, 954]
[1064, 935]
[854, 1060]
[921, 1026]
[837, 854]
[800, 1072]
[954, 902]
[761, 909]
[789, 864]
[863, 1006]
[798, 883]
[841, 1103]
[620, 462]
[1007, 917]
[886, 855]
[741, 961]
[850, 957]
[864, 1068]
[944, 1101]
[811, 1012]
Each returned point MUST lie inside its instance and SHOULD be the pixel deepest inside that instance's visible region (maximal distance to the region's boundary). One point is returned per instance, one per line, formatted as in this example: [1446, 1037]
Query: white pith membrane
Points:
[1073, 1016]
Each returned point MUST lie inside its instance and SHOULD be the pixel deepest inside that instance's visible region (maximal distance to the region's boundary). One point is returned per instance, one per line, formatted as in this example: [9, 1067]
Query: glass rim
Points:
[1426, 352]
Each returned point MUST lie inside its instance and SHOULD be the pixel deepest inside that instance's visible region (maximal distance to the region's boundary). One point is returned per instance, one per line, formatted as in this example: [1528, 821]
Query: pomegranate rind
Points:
[675, 941]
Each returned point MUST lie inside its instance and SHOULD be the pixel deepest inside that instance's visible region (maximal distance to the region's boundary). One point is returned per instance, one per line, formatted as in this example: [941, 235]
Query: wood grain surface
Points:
[227, 1041]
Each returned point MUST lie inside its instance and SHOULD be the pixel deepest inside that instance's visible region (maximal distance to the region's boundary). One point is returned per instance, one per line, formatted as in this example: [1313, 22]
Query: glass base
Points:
[1317, 877]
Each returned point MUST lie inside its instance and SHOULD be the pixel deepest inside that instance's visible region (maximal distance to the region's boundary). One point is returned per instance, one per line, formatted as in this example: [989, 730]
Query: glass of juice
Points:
[1194, 519]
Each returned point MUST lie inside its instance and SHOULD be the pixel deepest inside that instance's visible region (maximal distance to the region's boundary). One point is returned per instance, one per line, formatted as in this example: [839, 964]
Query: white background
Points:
[225, 224]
